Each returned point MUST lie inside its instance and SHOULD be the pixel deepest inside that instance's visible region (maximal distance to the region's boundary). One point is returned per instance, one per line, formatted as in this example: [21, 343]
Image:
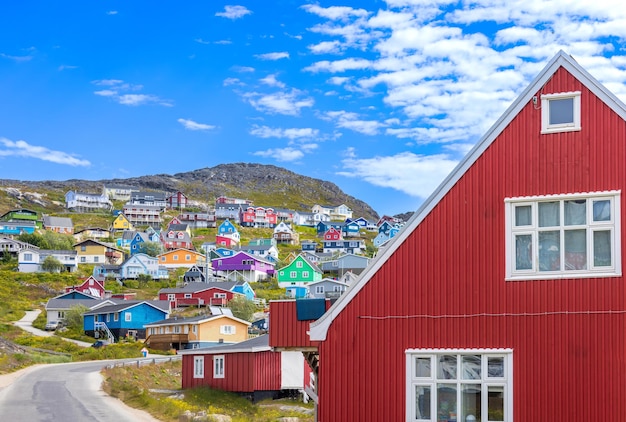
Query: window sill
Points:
[560, 129]
[561, 276]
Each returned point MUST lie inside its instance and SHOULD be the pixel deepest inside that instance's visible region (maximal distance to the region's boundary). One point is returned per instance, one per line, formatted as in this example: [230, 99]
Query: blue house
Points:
[124, 319]
[323, 226]
[244, 288]
[136, 243]
[297, 292]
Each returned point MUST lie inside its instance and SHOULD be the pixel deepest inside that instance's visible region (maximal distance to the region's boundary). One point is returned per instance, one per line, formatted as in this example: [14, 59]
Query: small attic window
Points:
[560, 112]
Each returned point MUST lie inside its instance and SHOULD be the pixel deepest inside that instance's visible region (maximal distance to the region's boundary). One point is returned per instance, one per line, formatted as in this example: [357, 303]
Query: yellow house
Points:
[196, 332]
[122, 223]
[178, 258]
[91, 251]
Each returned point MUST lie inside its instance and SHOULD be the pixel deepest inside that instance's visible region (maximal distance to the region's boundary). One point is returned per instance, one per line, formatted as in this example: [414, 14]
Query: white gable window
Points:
[319, 290]
[563, 236]
[463, 385]
[218, 366]
[560, 112]
[198, 366]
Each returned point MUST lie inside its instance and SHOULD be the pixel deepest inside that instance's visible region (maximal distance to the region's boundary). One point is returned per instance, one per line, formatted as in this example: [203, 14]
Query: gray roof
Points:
[256, 344]
[68, 303]
[163, 305]
[49, 221]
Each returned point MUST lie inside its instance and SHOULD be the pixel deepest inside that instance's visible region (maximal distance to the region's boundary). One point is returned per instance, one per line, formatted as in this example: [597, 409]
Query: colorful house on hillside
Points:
[503, 297]
[299, 272]
[121, 223]
[249, 368]
[181, 258]
[227, 235]
[128, 318]
[31, 260]
[62, 225]
[243, 266]
[197, 332]
[285, 234]
[90, 251]
[141, 264]
[212, 293]
[176, 239]
[259, 217]
[91, 286]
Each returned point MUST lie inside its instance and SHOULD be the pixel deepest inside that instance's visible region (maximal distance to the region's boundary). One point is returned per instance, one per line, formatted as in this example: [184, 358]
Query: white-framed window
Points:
[560, 112]
[116, 316]
[198, 366]
[227, 329]
[455, 385]
[563, 236]
[299, 264]
[194, 329]
[218, 366]
[171, 296]
[128, 316]
[83, 259]
[219, 295]
[305, 274]
[108, 318]
[293, 274]
[177, 329]
[319, 290]
[61, 314]
[187, 295]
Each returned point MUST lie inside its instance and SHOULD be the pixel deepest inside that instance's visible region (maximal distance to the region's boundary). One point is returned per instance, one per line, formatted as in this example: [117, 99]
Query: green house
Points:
[300, 272]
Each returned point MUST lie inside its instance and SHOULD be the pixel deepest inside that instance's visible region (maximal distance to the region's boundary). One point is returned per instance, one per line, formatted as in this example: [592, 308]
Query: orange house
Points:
[178, 258]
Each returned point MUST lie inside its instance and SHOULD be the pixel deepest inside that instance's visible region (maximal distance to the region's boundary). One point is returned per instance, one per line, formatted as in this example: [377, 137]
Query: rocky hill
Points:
[265, 185]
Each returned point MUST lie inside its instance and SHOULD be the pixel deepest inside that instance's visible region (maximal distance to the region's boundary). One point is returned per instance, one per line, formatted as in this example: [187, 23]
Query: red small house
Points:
[249, 368]
[503, 298]
[90, 286]
[199, 294]
[260, 217]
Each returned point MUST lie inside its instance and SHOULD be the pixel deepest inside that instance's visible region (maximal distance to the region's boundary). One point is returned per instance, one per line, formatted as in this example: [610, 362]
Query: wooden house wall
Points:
[445, 287]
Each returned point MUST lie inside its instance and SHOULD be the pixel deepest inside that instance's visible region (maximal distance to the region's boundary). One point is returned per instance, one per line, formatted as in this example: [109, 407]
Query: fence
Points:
[145, 361]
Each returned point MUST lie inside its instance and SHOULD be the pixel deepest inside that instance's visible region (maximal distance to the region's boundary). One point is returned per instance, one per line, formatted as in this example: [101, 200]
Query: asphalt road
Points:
[68, 392]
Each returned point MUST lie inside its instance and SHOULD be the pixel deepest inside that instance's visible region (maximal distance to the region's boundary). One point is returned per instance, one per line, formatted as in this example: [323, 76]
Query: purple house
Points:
[243, 266]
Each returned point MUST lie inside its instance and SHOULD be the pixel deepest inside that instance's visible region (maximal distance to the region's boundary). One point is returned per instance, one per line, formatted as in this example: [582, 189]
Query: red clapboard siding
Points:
[567, 367]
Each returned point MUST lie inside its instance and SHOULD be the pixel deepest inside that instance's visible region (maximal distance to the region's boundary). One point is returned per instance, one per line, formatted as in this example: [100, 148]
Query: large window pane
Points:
[549, 251]
[549, 214]
[602, 210]
[446, 367]
[422, 402]
[523, 252]
[523, 215]
[575, 249]
[470, 402]
[471, 367]
[495, 403]
[575, 212]
[422, 368]
[602, 248]
[561, 111]
[446, 401]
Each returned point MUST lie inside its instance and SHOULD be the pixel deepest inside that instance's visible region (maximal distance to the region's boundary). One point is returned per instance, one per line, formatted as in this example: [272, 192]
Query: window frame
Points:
[219, 366]
[198, 366]
[546, 127]
[432, 381]
[591, 226]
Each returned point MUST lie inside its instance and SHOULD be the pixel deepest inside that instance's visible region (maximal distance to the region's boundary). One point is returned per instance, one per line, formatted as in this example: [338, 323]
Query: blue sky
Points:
[382, 98]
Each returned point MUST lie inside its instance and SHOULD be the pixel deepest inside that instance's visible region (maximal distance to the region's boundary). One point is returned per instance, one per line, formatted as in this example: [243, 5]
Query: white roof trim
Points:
[319, 329]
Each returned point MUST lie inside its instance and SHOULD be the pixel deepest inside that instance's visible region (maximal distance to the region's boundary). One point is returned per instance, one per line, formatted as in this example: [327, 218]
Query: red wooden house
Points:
[333, 234]
[260, 217]
[90, 286]
[249, 368]
[199, 294]
[503, 297]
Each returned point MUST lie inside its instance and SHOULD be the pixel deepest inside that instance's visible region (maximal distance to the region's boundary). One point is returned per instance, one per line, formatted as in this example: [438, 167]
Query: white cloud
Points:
[272, 81]
[281, 154]
[112, 12]
[325, 47]
[233, 12]
[64, 67]
[24, 149]
[115, 90]
[350, 120]
[273, 56]
[286, 103]
[289, 133]
[415, 175]
[18, 59]
[243, 69]
[335, 12]
[232, 81]
[191, 125]
[339, 65]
